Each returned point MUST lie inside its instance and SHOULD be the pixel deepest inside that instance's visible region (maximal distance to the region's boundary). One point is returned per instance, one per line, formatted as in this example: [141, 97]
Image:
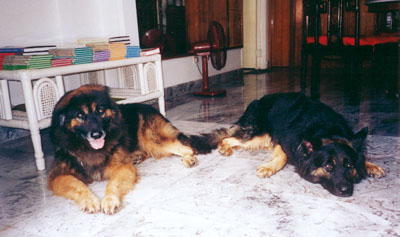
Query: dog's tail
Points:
[206, 142]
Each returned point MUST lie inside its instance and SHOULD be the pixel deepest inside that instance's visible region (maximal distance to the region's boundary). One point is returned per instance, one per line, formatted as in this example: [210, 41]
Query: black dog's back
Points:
[294, 116]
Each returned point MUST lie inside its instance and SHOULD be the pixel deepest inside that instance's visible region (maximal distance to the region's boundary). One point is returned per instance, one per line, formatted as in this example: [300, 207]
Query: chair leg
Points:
[315, 76]
[304, 67]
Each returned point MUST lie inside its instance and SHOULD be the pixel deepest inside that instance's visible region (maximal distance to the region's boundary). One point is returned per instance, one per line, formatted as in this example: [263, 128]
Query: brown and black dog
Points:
[305, 133]
[96, 139]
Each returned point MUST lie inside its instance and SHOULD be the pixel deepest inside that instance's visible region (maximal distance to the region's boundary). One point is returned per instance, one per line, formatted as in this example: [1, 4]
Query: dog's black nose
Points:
[96, 134]
[344, 189]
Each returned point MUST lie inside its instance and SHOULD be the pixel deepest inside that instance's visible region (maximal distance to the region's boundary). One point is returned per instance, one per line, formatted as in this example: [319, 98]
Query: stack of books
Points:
[62, 52]
[83, 55]
[40, 61]
[86, 41]
[79, 55]
[16, 62]
[62, 56]
[61, 61]
[120, 39]
[38, 50]
[117, 51]
[101, 51]
[149, 51]
[132, 51]
[101, 56]
[14, 50]
[2, 57]
[7, 51]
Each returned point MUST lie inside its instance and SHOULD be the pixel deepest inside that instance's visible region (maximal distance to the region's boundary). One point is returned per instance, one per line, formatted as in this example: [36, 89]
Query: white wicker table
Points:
[43, 87]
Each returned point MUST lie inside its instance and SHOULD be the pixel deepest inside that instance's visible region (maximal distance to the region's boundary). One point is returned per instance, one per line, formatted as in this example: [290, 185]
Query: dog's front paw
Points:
[90, 204]
[110, 204]
[376, 172]
[189, 161]
[265, 171]
[225, 149]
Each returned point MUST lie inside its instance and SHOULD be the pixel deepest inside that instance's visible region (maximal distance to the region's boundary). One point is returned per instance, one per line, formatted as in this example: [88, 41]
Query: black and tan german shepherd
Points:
[96, 139]
[305, 133]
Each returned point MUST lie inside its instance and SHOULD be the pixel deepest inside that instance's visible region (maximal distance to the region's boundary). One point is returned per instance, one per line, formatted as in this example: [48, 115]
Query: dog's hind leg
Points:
[277, 162]
[70, 187]
[186, 152]
[226, 146]
[374, 170]
[159, 138]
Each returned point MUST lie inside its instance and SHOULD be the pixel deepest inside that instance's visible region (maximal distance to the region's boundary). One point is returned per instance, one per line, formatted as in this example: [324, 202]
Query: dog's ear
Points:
[58, 119]
[61, 120]
[358, 141]
[305, 149]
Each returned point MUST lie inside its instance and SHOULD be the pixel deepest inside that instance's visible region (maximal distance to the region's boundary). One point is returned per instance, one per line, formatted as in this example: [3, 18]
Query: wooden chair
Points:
[332, 45]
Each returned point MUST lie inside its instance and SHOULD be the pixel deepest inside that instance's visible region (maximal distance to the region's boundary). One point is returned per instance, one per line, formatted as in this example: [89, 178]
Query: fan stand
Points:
[206, 90]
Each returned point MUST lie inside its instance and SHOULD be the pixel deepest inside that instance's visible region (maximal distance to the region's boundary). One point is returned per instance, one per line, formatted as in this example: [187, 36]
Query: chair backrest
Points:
[335, 22]
[334, 11]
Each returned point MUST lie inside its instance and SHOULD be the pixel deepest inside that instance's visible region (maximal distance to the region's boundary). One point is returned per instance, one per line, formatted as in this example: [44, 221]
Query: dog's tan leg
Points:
[123, 178]
[225, 147]
[374, 170]
[278, 160]
[160, 139]
[259, 142]
[187, 154]
[72, 188]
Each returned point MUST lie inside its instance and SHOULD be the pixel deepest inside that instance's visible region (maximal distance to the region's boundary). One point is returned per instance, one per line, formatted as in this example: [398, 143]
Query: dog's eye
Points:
[80, 116]
[100, 110]
[348, 165]
[328, 167]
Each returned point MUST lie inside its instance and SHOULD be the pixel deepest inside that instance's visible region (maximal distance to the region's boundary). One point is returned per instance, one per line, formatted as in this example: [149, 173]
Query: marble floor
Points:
[222, 196]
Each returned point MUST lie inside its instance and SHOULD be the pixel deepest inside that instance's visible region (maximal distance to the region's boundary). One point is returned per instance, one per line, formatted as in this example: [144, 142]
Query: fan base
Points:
[208, 93]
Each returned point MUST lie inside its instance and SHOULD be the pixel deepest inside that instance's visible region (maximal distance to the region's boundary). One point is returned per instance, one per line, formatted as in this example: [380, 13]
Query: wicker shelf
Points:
[139, 79]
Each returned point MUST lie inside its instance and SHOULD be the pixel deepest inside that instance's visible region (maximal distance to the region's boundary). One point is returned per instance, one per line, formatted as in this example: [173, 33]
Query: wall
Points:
[29, 22]
[249, 34]
[55, 21]
[182, 70]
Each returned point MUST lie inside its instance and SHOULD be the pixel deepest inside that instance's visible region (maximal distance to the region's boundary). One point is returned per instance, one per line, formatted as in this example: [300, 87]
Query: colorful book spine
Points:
[11, 50]
[150, 51]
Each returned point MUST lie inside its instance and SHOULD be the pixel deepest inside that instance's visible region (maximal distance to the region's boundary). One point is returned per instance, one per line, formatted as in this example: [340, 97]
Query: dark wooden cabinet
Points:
[229, 13]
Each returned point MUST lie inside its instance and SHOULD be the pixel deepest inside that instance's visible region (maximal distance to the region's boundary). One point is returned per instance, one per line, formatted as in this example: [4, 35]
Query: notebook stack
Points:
[38, 50]
[79, 55]
[132, 51]
[120, 39]
[149, 51]
[83, 55]
[16, 62]
[62, 56]
[101, 51]
[86, 41]
[2, 57]
[14, 50]
[117, 51]
[101, 56]
[40, 61]
[61, 61]
[62, 52]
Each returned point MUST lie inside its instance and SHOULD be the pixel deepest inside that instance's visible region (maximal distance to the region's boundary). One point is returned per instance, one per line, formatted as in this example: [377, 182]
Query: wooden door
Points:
[279, 33]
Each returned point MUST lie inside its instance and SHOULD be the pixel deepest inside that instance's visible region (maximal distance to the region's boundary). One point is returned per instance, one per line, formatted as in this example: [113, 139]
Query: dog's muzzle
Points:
[96, 139]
